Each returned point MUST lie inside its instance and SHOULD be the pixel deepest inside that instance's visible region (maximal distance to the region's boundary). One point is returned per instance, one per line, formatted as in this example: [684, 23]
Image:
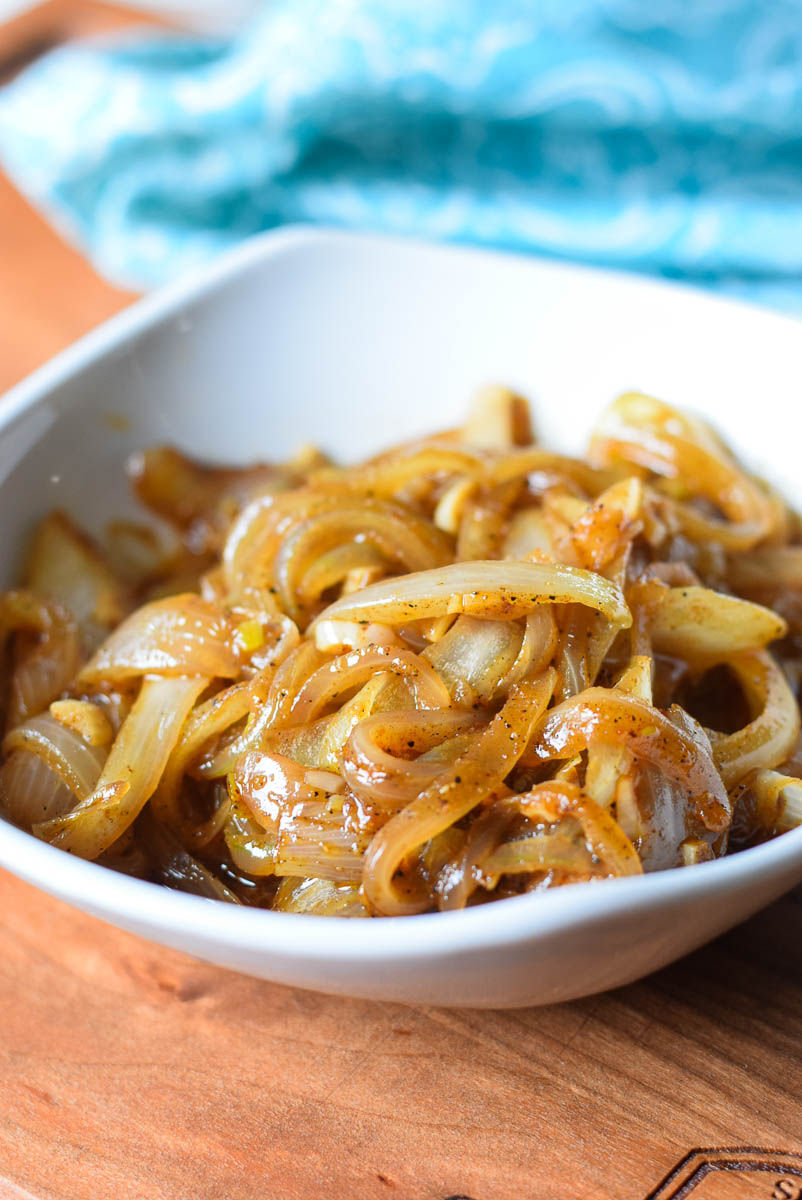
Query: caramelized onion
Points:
[482, 589]
[597, 715]
[768, 739]
[132, 770]
[373, 760]
[470, 779]
[445, 675]
[172, 637]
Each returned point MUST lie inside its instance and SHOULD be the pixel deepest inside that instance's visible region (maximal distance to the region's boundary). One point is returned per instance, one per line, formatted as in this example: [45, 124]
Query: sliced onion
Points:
[391, 473]
[459, 876]
[335, 637]
[478, 653]
[205, 725]
[498, 419]
[643, 431]
[600, 534]
[398, 533]
[319, 898]
[77, 764]
[64, 565]
[290, 677]
[373, 762]
[44, 672]
[30, 791]
[313, 834]
[481, 589]
[539, 852]
[338, 677]
[604, 838]
[608, 716]
[455, 792]
[767, 740]
[132, 770]
[701, 626]
[177, 869]
[181, 635]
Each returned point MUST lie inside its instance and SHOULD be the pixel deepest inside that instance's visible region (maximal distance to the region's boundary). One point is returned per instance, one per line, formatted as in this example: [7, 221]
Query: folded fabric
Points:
[663, 137]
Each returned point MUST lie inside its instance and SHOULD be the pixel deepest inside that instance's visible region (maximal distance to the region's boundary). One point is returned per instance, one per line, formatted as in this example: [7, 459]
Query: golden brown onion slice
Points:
[470, 779]
[482, 589]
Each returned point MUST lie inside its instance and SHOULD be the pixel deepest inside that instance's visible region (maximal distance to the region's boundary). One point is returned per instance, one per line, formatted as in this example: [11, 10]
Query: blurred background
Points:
[139, 141]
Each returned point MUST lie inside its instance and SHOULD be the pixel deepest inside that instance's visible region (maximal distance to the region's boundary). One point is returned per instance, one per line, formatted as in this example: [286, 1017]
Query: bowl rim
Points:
[119, 898]
[122, 899]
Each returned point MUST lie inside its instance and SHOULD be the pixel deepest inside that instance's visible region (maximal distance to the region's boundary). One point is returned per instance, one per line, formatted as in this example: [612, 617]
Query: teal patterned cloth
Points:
[662, 136]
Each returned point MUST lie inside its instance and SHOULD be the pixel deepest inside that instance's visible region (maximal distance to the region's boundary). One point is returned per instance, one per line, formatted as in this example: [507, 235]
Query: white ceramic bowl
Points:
[354, 342]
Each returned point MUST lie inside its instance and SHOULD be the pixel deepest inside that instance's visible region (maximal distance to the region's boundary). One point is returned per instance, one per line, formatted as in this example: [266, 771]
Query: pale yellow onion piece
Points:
[484, 521]
[636, 680]
[498, 420]
[481, 589]
[271, 525]
[77, 764]
[768, 739]
[528, 533]
[132, 770]
[335, 637]
[267, 783]
[51, 665]
[392, 472]
[605, 766]
[252, 850]
[701, 626]
[86, 719]
[273, 714]
[571, 657]
[539, 852]
[695, 850]
[350, 670]
[476, 651]
[203, 726]
[546, 468]
[313, 834]
[779, 800]
[358, 708]
[314, 841]
[461, 786]
[343, 562]
[319, 744]
[263, 725]
[65, 566]
[459, 876]
[537, 648]
[30, 791]
[319, 898]
[325, 781]
[451, 505]
[399, 533]
[178, 636]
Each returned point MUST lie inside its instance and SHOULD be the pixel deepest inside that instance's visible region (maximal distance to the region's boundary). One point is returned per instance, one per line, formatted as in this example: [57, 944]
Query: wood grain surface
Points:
[134, 1073]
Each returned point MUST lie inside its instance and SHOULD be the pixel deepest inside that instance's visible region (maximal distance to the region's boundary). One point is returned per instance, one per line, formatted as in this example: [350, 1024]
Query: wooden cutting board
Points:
[134, 1073]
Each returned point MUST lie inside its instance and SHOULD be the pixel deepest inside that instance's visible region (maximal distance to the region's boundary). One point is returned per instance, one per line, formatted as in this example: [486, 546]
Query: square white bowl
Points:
[354, 342]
